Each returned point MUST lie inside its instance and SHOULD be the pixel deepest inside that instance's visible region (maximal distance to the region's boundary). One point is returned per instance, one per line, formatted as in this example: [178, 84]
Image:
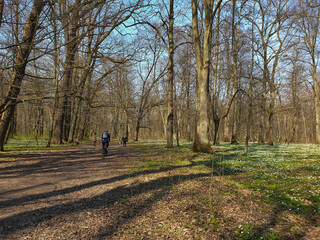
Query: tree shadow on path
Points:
[34, 197]
[57, 162]
[17, 222]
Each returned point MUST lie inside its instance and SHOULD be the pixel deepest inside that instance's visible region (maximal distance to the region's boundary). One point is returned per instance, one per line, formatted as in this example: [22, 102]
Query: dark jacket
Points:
[105, 137]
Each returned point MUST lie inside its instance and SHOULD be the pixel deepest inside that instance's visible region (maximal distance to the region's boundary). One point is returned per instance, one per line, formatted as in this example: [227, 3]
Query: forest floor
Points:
[145, 191]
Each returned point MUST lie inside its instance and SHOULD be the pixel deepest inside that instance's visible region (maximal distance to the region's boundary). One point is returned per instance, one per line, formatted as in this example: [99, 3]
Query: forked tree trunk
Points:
[8, 107]
[203, 59]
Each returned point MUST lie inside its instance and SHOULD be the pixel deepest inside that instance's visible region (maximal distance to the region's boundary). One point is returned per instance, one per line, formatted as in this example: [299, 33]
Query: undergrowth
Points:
[284, 177]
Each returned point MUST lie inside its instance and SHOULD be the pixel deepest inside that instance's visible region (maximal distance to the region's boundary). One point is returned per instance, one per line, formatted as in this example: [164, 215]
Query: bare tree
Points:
[215, 95]
[26, 43]
[270, 31]
[56, 71]
[235, 44]
[249, 121]
[310, 26]
[170, 117]
[203, 59]
[185, 90]
[149, 75]
[71, 26]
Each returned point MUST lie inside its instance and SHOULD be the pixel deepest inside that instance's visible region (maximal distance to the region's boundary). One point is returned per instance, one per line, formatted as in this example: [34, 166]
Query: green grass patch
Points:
[21, 146]
[286, 176]
[290, 170]
[166, 158]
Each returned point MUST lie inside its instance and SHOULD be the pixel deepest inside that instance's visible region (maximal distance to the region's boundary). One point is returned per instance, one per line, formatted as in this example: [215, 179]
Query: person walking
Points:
[105, 139]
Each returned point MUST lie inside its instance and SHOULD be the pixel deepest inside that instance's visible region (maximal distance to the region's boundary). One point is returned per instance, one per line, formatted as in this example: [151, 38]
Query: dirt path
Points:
[79, 194]
[36, 188]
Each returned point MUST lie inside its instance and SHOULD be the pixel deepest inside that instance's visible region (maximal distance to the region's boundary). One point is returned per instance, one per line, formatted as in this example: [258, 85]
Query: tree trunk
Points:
[246, 146]
[236, 113]
[201, 141]
[216, 121]
[317, 104]
[164, 123]
[305, 129]
[278, 128]
[56, 80]
[285, 129]
[85, 122]
[203, 58]
[294, 103]
[86, 73]
[74, 121]
[8, 107]
[178, 131]
[170, 117]
[137, 130]
[271, 114]
[215, 96]
[264, 97]
[226, 129]
[1, 10]
[127, 125]
[188, 110]
[177, 119]
[62, 122]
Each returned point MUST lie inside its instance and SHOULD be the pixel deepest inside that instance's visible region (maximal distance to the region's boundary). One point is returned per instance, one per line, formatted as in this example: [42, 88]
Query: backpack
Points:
[105, 135]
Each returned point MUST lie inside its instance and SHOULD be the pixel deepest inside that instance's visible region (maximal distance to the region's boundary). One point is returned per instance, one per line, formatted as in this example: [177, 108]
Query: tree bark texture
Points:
[25, 47]
[215, 96]
[236, 113]
[310, 27]
[56, 79]
[317, 104]
[264, 98]
[246, 146]
[62, 122]
[137, 130]
[203, 57]
[170, 117]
